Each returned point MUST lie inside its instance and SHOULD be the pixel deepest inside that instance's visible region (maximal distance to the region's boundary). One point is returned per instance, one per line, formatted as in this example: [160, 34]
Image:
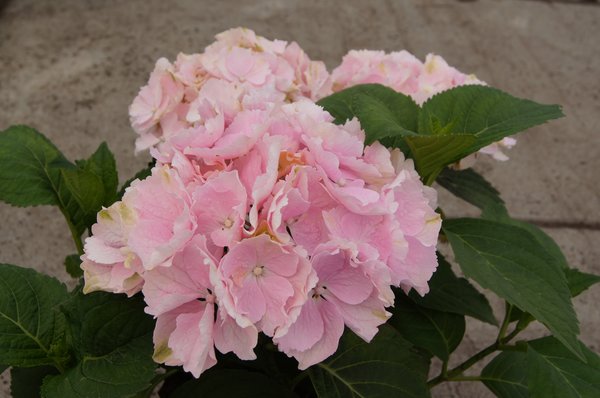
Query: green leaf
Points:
[449, 293]
[73, 265]
[28, 168]
[113, 337]
[385, 113]
[577, 281]
[506, 375]
[218, 383]
[27, 382]
[3, 368]
[547, 370]
[487, 113]
[540, 236]
[471, 187]
[93, 184]
[34, 172]
[140, 175]
[32, 330]
[554, 372]
[580, 281]
[382, 112]
[432, 153]
[387, 367]
[437, 332]
[513, 264]
[86, 188]
[102, 164]
[450, 126]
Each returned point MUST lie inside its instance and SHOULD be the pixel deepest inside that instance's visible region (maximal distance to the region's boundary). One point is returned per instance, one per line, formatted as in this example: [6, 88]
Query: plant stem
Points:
[455, 374]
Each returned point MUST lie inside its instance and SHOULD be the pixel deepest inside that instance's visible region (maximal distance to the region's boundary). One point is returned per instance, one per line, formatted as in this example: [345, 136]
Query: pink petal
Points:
[230, 337]
[192, 342]
[306, 331]
[251, 301]
[364, 318]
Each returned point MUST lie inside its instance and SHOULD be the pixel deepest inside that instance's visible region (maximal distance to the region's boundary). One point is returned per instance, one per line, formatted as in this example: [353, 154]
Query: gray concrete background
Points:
[70, 68]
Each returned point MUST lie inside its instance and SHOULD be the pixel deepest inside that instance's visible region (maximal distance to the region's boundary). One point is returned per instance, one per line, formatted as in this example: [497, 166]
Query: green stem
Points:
[457, 373]
[504, 347]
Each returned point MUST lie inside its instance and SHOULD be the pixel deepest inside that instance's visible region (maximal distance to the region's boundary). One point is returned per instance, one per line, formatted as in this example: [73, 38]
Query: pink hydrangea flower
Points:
[344, 295]
[164, 224]
[261, 282]
[108, 264]
[261, 214]
[154, 102]
[189, 326]
[220, 207]
[398, 70]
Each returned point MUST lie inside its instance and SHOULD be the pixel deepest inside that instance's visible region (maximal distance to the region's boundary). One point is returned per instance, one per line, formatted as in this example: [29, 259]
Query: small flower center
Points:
[228, 223]
[318, 291]
[258, 270]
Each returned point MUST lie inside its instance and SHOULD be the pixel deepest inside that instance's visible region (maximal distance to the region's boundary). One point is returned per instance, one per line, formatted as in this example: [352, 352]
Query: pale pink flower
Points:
[220, 207]
[289, 202]
[263, 283]
[108, 264]
[154, 101]
[189, 326]
[398, 70]
[308, 228]
[343, 294]
[495, 149]
[311, 77]
[190, 72]
[368, 237]
[242, 56]
[164, 223]
[413, 259]
[315, 335]
[238, 138]
[438, 76]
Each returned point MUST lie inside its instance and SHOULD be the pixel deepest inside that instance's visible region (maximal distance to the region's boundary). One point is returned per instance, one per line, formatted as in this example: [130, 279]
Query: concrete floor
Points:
[70, 68]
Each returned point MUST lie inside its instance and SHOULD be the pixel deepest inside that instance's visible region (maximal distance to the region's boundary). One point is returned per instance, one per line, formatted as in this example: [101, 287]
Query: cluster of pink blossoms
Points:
[261, 214]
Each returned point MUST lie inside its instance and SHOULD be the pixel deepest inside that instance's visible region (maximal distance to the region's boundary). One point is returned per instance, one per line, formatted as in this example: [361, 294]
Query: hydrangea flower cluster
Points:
[261, 215]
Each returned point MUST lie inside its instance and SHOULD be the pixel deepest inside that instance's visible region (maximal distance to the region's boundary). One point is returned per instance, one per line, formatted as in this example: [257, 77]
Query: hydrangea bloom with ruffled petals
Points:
[261, 215]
